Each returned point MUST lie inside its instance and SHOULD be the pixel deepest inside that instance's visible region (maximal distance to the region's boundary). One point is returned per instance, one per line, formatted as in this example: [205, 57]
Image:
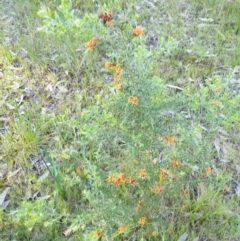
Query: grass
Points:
[119, 120]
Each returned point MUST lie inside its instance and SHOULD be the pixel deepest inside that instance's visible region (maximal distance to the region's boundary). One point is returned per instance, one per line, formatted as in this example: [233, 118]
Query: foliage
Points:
[128, 153]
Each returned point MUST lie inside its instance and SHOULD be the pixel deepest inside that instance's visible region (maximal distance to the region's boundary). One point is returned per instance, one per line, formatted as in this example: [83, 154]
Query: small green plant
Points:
[19, 142]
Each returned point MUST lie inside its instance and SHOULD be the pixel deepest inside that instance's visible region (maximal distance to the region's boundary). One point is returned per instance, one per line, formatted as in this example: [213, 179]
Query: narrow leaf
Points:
[3, 195]
[183, 237]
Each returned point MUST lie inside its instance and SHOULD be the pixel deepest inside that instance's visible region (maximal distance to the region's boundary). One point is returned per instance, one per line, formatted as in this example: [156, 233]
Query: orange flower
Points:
[171, 176]
[90, 44]
[133, 100]
[122, 228]
[136, 208]
[169, 140]
[161, 178]
[164, 171]
[227, 189]
[93, 40]
[184, 192]
[217, 89]
[78, 170]
[108, 65]
[130, 180]
[215, 102]
[175, 163]
[113, 180]
[154, 233]
[142, 220]
[118, 87]
[117, 180]
[183, 205]
[156, 189]
[208, 171]
[139, 204]
[108, 23]
[118, 69]
[116, 78]
[137, 31]
[122, 178]
[162, 174]
[142, 173]
[110, 178]
[98, 233]
[106, 18]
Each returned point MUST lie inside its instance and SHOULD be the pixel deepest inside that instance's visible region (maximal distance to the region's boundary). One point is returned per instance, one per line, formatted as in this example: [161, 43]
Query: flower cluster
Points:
[117, 180]
[81, 172]
[137, 31]
[208, 171]
[162, 174]
[120, 179]
[154, 233]
[106, 18]
[175, 164]
[215, 102]
[217, 89]
[142, 220]
[156, 189]
[139, 204]
[184, 192]
[90, 44]
[142, 173]
[118, 87]
[122, 228]
[98, 233]
[109, 66]
[169, 140]
[116, 78]
[133, 100]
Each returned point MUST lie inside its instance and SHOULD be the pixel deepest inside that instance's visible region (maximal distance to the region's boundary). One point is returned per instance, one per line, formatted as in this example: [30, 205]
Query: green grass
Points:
[135, 140]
